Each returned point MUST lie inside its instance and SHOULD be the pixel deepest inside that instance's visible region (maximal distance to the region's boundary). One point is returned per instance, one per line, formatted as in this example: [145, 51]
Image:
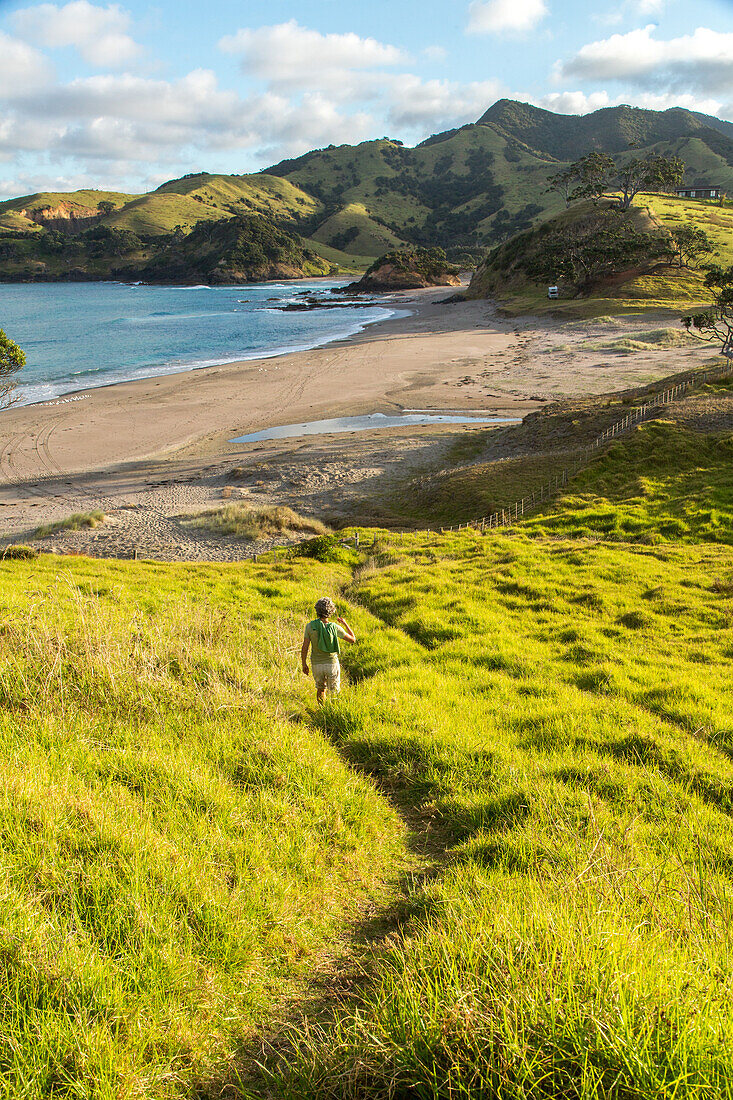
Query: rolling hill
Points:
[463, 190]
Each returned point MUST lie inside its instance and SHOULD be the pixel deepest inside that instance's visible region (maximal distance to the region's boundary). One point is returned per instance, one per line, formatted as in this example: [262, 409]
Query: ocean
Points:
[82, 335]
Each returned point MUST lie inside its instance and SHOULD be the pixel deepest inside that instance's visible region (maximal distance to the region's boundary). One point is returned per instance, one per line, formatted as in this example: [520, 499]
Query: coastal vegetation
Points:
[245, 248]
[248, 521]
[654, 256]
[12, 359]
[498, 864]
[408, 269]
[75, 522]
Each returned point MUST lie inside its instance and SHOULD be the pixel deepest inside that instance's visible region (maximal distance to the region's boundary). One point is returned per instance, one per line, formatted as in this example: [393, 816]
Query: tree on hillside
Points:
[12, 358]
[105, 207]
[598, 245]
[584, 178]
[590, 176]
[690, 243]
[716, 323]
[653, 173]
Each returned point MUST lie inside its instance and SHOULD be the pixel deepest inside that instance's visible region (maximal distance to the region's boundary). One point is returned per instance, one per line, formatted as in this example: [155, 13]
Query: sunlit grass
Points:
[76, 522]
[186, 838]
[245, 521]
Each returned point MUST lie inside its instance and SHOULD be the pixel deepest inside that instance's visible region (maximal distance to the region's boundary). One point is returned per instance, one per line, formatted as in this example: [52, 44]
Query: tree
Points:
[690, 243]
[584, 178]
[564, 183]
[716, 323]
[600, 244]
[105, 208]
[12, 359]
[595, 173]
[653, 173]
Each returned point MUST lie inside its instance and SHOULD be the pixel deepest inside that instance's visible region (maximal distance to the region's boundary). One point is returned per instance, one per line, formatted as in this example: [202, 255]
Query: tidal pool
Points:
[370, 422]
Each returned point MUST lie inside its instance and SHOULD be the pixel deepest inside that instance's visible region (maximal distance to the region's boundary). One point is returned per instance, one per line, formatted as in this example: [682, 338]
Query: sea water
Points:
[82, 335]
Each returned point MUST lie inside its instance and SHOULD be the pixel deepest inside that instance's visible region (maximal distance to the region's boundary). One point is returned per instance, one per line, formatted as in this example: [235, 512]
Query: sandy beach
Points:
[146, 452]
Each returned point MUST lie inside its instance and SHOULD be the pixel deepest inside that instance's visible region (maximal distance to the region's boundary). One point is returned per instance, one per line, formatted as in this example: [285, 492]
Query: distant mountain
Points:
[464, 190]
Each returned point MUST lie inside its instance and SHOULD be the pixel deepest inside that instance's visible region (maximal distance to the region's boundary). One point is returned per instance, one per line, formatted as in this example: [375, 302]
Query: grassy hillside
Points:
[29, 211]
[537, 727]
[661, 484]
[178, 844]
[505, 272]
[463, 190]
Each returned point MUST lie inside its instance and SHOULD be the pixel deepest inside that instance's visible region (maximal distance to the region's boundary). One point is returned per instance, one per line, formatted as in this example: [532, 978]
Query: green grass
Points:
[178, 843]
[76, 522]
[243, 521]
[187, 842]
[661, 484]
[558, 722]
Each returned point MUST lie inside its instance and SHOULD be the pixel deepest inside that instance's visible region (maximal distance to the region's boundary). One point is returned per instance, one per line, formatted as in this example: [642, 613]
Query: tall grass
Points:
[245, 521]
[177, 845]
[561, 731]
[76, 522]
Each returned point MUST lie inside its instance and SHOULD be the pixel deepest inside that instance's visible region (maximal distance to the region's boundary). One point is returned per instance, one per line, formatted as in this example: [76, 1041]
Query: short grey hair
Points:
[325, 607]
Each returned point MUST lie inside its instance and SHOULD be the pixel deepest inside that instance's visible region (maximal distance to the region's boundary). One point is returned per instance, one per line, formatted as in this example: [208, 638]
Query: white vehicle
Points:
[553, 292]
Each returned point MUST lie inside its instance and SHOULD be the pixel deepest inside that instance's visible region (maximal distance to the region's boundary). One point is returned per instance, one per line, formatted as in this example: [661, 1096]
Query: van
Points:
[553, 292]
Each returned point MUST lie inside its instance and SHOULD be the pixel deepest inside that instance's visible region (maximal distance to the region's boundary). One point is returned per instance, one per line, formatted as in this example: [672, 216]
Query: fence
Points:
[505, 517]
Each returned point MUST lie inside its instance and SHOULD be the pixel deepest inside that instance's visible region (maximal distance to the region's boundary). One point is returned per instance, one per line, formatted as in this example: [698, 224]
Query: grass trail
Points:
[562, 731]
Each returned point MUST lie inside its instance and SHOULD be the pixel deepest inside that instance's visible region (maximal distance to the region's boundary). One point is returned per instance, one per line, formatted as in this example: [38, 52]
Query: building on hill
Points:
[699, 192]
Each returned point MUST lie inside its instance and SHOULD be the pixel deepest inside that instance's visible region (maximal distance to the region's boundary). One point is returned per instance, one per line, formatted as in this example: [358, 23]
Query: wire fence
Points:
[505, 517]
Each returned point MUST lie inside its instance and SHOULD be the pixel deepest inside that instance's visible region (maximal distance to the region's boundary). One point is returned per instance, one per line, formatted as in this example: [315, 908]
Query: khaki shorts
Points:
[328, 676]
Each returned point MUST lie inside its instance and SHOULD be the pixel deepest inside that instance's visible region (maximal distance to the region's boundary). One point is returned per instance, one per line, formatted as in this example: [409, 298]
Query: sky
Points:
[123, 96]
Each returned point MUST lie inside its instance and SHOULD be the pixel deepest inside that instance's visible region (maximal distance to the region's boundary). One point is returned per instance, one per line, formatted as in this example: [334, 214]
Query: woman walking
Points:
[322, 636]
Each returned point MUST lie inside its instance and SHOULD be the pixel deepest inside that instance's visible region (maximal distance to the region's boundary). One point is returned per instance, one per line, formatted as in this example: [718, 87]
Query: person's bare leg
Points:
[319, 696]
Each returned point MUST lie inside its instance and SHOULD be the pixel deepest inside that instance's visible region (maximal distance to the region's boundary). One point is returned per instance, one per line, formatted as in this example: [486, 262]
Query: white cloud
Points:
[499, 16]
[424, 107]
[435, 53]
[291, 55]
[698, 62]
[23, 69]
[580, 103]
[99, 34]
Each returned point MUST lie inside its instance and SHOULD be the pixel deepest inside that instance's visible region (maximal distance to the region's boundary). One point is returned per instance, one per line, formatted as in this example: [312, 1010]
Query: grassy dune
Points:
[662, 484]
[537, 727]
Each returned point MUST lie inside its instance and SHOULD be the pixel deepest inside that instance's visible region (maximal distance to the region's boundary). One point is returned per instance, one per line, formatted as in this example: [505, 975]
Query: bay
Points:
[82, 335]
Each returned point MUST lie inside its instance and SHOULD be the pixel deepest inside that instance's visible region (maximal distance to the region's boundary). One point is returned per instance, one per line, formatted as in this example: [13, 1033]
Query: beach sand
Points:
[147, 451]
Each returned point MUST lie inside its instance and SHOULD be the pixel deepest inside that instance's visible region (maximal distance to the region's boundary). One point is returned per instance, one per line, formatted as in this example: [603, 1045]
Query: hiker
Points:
[323, 638]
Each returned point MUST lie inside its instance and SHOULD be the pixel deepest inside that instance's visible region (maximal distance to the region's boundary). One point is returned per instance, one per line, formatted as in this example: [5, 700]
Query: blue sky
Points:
[125, 95]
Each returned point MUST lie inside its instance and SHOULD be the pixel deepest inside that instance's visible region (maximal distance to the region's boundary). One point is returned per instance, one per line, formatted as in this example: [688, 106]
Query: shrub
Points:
[18, 553]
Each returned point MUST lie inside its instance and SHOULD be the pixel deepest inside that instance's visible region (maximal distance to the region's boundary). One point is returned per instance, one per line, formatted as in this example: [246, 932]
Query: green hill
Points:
[246, 248]
[498, 865]
[507, 272]
[462, 190]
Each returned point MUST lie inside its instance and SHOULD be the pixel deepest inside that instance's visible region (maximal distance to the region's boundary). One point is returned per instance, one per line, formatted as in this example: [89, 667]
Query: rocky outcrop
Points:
[408, 269]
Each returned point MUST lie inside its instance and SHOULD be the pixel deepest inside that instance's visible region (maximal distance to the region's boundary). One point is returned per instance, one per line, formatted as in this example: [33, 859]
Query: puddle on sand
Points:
[368, 423]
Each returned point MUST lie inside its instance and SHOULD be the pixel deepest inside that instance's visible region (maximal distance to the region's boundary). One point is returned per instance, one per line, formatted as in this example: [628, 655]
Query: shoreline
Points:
[146, 451]
[393, 310]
